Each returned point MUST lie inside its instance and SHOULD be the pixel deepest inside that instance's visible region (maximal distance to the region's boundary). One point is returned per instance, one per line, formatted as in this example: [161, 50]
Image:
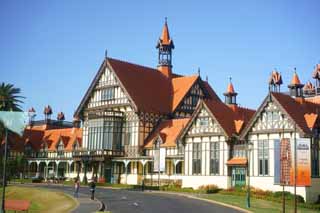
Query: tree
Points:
[10, 98]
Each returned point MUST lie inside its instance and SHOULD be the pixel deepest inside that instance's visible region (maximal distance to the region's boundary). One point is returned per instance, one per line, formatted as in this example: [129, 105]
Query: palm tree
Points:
[9, 101]
[10, 98]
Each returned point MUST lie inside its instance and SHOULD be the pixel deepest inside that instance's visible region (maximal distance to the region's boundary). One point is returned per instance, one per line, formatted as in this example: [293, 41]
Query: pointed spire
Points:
[295, 79]
[165, 46]
[230, 94]
[165, 36]
[230, 88]
[295, 87]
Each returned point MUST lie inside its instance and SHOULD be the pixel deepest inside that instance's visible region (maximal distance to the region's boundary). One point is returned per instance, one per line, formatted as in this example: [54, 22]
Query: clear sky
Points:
[52, 49]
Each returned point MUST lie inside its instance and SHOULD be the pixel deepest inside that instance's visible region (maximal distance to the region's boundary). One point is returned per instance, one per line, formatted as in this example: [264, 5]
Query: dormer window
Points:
[107, 94]
[44, 150]
[204, 122]
[28, 150]
[60, 148]
[75, 146]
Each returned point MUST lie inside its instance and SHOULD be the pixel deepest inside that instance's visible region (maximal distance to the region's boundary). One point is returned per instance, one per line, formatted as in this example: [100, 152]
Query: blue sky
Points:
[52, 49]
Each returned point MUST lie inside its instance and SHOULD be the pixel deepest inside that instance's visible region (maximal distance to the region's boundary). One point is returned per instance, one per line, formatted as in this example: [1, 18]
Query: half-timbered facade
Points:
[134, 117]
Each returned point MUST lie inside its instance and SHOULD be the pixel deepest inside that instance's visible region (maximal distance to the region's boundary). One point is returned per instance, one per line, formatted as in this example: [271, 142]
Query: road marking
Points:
[135, 204]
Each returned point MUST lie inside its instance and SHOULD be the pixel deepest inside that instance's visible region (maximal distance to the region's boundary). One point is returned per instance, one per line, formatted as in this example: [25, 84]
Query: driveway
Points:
[129, 201]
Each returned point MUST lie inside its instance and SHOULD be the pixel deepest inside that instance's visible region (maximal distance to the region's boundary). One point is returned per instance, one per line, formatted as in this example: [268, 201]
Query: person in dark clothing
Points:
[92, 186]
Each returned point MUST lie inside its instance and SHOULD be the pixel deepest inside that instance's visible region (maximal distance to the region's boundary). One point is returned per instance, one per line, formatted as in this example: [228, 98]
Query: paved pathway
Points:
[129, 201]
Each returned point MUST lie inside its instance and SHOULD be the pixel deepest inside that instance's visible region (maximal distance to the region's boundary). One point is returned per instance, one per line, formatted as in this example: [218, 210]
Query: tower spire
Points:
[295, 87]
[165, 46]
[230, 95]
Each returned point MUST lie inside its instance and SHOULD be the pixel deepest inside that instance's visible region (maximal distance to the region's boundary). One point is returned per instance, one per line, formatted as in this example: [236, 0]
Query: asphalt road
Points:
[127, 201]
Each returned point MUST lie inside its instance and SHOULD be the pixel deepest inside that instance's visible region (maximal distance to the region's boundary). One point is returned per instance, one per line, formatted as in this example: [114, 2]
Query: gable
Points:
[190, 100]
[107, 91]
[204, 123]
[271, 119]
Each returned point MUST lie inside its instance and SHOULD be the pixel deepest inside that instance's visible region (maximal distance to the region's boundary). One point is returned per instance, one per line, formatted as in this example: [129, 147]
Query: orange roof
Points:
[308, 86]
[310, 119]
[315, 99]
[295, 79]
[237, 161]
[275, 78]
[180, 87]
[231, 118]
[37, 137]
[297, 109]
[169, 132]
[165, 37]
[230, 88]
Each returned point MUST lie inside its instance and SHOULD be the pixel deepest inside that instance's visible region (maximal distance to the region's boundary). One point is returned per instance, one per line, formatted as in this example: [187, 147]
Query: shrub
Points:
[209, 189]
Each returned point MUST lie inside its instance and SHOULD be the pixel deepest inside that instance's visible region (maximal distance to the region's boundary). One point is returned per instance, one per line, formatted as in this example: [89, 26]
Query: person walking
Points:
[76, 188]
[92, 186]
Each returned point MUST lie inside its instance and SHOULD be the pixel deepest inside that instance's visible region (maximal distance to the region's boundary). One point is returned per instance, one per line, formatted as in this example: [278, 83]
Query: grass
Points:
[257, 205]
[42, 200]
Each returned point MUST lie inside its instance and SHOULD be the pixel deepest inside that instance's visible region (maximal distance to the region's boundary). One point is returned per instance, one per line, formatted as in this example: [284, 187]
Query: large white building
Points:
[153, 125]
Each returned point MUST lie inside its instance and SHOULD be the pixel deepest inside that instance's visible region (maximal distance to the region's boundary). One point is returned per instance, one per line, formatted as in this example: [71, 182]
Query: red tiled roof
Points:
[231, 118]
[168, 130]
[147, 88]
[297, 109]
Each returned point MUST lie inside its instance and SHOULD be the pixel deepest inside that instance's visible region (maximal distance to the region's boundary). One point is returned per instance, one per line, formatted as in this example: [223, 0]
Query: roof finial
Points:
[106, 54]
[207, 79]
[295, 70]
[199, 71]
[166, 19]
[230, 79]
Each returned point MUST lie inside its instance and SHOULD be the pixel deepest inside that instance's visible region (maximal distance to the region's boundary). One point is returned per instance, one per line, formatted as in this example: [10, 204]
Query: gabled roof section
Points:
[299, 111]
[169, 131]
[230, 119]
[180, 87]
[147, 89]
[211, 93]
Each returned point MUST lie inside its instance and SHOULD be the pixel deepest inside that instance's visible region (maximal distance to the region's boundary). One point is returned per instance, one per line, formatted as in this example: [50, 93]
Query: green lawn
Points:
[42, 200]
[257, 205]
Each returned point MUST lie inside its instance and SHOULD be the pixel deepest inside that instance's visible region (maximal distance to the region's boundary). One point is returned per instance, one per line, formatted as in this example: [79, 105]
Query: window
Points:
[239, 151]
[60, 149]
[104, 133]
[44, 151]
[214, 157]
[179, 168]
[129, 168]
[204, 121]
[263, 157]
[194, 100]
[28, 150]
[107, 94]
[196, 158]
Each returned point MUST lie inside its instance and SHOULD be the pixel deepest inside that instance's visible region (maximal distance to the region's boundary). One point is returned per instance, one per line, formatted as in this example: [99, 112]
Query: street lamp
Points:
[249, 148]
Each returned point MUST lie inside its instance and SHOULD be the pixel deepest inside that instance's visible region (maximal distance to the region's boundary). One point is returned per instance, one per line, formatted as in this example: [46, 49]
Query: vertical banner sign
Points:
[277, 169]
[156, 160]
[285, 161]
[162, 159]
[303, 162]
